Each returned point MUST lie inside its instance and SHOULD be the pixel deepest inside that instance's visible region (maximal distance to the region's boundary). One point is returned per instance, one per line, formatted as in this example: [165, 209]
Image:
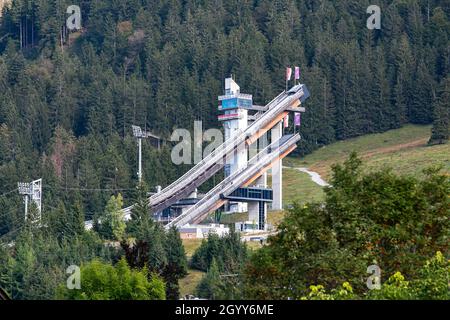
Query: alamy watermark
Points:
[374, 21]
[374, 281]
[189, 149]
[74, 20]
[74, 280]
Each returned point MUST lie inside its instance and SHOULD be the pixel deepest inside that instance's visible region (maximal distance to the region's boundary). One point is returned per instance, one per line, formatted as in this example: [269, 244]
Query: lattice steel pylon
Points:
[32, 192]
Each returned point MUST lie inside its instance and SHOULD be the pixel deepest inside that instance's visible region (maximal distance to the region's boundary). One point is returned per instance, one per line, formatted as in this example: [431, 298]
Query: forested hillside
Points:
[67, 100]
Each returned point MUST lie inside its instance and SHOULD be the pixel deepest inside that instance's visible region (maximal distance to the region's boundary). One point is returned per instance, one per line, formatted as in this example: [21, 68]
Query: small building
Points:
[202, 231]
[177, 208]
[246, 226]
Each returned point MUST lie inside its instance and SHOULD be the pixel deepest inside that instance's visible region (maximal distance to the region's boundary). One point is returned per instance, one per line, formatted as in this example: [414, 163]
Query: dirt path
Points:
[412, 144]
[315, 177]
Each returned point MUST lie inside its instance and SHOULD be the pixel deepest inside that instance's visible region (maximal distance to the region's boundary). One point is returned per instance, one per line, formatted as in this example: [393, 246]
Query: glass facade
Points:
[235, 103]
[262, 216]
[254, 194]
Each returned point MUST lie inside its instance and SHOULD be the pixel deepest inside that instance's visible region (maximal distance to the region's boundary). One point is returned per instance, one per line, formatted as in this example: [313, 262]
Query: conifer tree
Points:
[176, 267]
[211, 284]
[441, 124]
[140, 223]
[111, 223]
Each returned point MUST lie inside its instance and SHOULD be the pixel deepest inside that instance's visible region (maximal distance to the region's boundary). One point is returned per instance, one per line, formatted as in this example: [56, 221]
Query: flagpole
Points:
[288, 76]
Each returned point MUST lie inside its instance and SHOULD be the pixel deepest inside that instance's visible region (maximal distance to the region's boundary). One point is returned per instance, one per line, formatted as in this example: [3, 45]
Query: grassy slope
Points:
[403, 150]
[190, 282]
[298, 186]
[190, 245]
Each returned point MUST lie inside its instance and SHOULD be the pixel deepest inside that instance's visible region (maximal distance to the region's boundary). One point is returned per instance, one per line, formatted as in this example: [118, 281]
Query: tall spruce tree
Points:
[440, 131]
[176, 267]
[211, 284]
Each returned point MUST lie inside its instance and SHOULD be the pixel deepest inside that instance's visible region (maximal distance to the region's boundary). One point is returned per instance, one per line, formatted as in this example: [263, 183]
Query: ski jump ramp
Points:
[273, 113]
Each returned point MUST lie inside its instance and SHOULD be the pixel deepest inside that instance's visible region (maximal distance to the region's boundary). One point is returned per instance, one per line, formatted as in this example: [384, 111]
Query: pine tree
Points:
[16, 63]
[161, 65]
[33, 220]
[211, 284]
[157, 255]
[5, 270]
[77, 217]
[23, 266]
[141, 223]
[403, 85]
[176, 267]
[421, 104]
[440, 130]
[317, 124]
[111, 224]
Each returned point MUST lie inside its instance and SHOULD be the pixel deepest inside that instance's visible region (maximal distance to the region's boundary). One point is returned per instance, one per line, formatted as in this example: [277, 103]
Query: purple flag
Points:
[297, 73]
[297, 119]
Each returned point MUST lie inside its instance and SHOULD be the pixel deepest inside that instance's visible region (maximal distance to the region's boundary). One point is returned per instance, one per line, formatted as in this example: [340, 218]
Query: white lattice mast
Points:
[32, 193]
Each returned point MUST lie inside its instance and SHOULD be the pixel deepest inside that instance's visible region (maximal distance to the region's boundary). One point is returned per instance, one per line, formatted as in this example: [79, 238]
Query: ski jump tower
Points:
[235, 121]
[235, 106]
[245, 185]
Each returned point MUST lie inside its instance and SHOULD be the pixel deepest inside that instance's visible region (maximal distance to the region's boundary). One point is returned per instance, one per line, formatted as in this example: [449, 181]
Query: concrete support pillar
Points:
[241, 160]
[257, 213]
[253, 207]
[263, 142]
[253, 212]
[277, 171]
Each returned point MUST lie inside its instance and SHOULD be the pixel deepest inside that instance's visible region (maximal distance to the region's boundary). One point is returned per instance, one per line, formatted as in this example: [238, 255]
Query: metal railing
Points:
[275, 107]
[220, 152]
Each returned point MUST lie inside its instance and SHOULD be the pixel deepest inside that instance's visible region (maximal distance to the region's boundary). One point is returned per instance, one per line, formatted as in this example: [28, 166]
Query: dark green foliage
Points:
[136, 65]
[228, 251]
[223, 258]
[176, 267]
[440, 132]
[149, 246]
[211, 284]
[65, 112]
[140, 221]
[35, 266]
[379, 218]
[66, 109]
